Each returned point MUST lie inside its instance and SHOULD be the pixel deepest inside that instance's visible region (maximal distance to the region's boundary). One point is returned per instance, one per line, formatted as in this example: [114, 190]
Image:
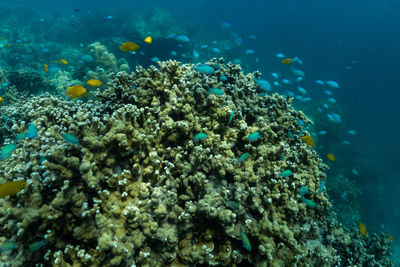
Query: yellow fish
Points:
[9, 45]
[148, 39]
[11, 188]
[1, 99]
[363, 229]
[63, 61]
[287, 61]
[390, 237]
[331, 157]
[45, 67]
[76, 91]
[308, 140]
[129, 46]
[94, 82]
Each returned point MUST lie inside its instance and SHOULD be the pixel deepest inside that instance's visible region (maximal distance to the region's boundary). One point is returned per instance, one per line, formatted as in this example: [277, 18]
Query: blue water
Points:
[355, 43]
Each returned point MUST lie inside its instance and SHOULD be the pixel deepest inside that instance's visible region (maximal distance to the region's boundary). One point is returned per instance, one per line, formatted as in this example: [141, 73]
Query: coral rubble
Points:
[139, 190]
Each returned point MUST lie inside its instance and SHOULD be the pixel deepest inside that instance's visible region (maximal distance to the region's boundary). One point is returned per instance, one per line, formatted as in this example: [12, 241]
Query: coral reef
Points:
[139, 190]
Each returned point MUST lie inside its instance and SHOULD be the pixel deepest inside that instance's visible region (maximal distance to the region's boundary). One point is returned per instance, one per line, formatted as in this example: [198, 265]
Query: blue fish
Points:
[32, 131]
[290, 134]
[6, 151]
[215, 91]
[243, 157]
[20, 136]
[232, 205]
[223, 78]
[283, 157]
[7, 246]
[321, 187]
[231, 117]
[254, 136]
[199, 137]
[309, 203]
[36, 245]
[245, 240]
[204, 68]
[265, 85]
[69, 138]
[300, 122]
[5, 118]
[304, 190]
[286, 173]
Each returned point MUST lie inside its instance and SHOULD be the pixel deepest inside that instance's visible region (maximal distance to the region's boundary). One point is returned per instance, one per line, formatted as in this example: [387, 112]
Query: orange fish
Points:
[94, 82]
[148, 39]
[129, 46]
[363, 229]
[287, 61]
[45, 67]
[63, 61]
[11, 188]
[308, 140]
[76, 91]
[331, 157]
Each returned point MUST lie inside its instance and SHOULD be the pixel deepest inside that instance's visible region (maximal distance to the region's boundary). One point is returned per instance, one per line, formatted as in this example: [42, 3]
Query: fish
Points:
[1, 99]
[308, 140]
[243, 157]
[275, 75]
[297, 72]
[36, 245]
[223, 78]
[334, 117]
[216, 91]
[7, 246]
[321, 187]
[182, 38]
[332, 100]
[45, 68]
[280, 55]
[216, 50]
[352, 132]
[390, 237]
[70, 138]
[11, 188]
[298, 60]
[148, 40]
[287, 61]
[9, 45]
[355, 172]
[196, 54]
[304, 190]
[6, 151]
[332, 84]
[254, 136]
[265, 85]
[63, 61]
[204, 68]
[299, 79]
[199, 137]
[286, 81]
[32, 131]
[286, 173]
[249, 51]
[129, 46]
[233, 205]
[155, 59]
[331, 157]
[231, 117]
[76, 91]
[309, 203]
[302, 90]
[319, 82]
[245, 240]
[362, 229]
[290, 134]
[20, 136]
[328, 92]
[94, 82]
